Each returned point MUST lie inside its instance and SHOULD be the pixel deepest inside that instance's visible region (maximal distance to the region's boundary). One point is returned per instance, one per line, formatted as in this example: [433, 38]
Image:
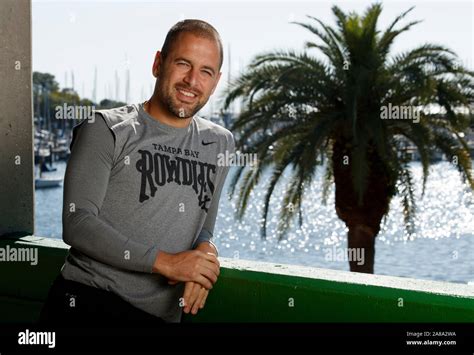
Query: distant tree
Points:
[106, 104]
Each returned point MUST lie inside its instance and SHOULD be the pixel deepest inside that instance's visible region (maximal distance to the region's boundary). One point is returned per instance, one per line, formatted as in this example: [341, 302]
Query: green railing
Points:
[249, 291]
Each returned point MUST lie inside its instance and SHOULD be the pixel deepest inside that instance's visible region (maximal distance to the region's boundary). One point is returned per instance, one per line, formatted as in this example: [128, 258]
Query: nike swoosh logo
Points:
[207, 143]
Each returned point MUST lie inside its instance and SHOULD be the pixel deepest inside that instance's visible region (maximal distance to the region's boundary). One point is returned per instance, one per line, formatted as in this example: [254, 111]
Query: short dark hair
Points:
[198, 28]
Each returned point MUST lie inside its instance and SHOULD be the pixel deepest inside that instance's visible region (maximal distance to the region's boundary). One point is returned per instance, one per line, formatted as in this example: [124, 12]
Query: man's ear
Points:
[217, 82]
[156, 64]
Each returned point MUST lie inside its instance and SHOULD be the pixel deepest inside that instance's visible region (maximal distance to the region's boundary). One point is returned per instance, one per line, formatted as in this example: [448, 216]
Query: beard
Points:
[177, 108]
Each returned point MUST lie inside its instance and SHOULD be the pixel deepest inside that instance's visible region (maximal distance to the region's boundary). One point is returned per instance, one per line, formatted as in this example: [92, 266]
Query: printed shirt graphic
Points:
[139, 186]
[170, 165]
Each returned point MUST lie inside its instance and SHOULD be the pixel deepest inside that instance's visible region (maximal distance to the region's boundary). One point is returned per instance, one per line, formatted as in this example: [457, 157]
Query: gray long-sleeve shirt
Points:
[135, 186]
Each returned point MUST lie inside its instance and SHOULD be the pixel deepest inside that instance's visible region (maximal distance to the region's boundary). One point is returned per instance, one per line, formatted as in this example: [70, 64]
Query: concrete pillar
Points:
[16, 123]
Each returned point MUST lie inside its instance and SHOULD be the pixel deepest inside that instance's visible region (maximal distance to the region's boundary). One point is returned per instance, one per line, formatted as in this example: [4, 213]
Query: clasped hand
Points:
[200, 280]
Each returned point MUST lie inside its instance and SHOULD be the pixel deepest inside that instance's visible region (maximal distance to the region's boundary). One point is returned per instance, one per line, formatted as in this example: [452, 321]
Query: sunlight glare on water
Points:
[442, 247]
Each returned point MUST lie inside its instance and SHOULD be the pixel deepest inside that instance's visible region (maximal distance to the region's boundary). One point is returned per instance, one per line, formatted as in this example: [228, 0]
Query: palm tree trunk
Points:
[361, 237]
[362, 219]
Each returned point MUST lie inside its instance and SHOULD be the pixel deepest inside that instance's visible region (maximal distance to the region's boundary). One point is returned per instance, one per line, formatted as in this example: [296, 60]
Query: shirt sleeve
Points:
[85, 185]
[206, 233]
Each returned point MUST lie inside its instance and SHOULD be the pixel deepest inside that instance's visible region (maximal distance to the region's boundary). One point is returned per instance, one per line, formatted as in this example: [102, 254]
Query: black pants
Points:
[71, 303]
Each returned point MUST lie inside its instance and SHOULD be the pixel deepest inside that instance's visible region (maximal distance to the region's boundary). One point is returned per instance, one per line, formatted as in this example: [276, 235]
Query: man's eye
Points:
[182, 63]
[207, 72]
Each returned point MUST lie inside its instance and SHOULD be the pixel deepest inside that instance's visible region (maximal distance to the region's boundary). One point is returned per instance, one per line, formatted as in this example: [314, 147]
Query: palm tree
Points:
[302, 111]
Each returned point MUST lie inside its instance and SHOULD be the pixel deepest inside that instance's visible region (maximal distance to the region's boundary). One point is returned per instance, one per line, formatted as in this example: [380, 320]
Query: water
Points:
[441, 249]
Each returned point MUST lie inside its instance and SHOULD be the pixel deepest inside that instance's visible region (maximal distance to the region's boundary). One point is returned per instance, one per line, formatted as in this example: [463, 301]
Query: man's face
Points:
[189, 74]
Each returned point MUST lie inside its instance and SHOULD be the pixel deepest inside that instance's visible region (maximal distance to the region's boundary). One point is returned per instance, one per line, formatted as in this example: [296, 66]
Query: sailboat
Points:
[43, 146]
[46, 182]
[41, 183]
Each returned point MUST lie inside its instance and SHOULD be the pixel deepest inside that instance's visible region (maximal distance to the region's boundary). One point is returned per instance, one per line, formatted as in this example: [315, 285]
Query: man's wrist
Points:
[161, 262]
[206, 246]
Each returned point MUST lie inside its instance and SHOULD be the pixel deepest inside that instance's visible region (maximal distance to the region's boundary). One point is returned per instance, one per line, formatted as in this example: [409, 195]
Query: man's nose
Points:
[191, 77]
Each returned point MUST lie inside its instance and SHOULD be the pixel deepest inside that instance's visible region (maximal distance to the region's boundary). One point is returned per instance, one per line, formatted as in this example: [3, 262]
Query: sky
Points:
[74, 38]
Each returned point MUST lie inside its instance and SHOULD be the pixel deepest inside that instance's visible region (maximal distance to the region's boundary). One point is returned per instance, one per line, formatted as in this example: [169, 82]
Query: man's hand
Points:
[194, 294]
[194, 297]
[194, 265]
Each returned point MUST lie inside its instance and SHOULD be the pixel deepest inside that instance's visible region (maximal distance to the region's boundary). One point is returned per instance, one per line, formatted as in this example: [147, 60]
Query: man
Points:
[141, 194]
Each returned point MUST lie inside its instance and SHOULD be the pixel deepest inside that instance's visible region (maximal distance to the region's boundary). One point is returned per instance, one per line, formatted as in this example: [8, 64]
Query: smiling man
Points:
[141, 194]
